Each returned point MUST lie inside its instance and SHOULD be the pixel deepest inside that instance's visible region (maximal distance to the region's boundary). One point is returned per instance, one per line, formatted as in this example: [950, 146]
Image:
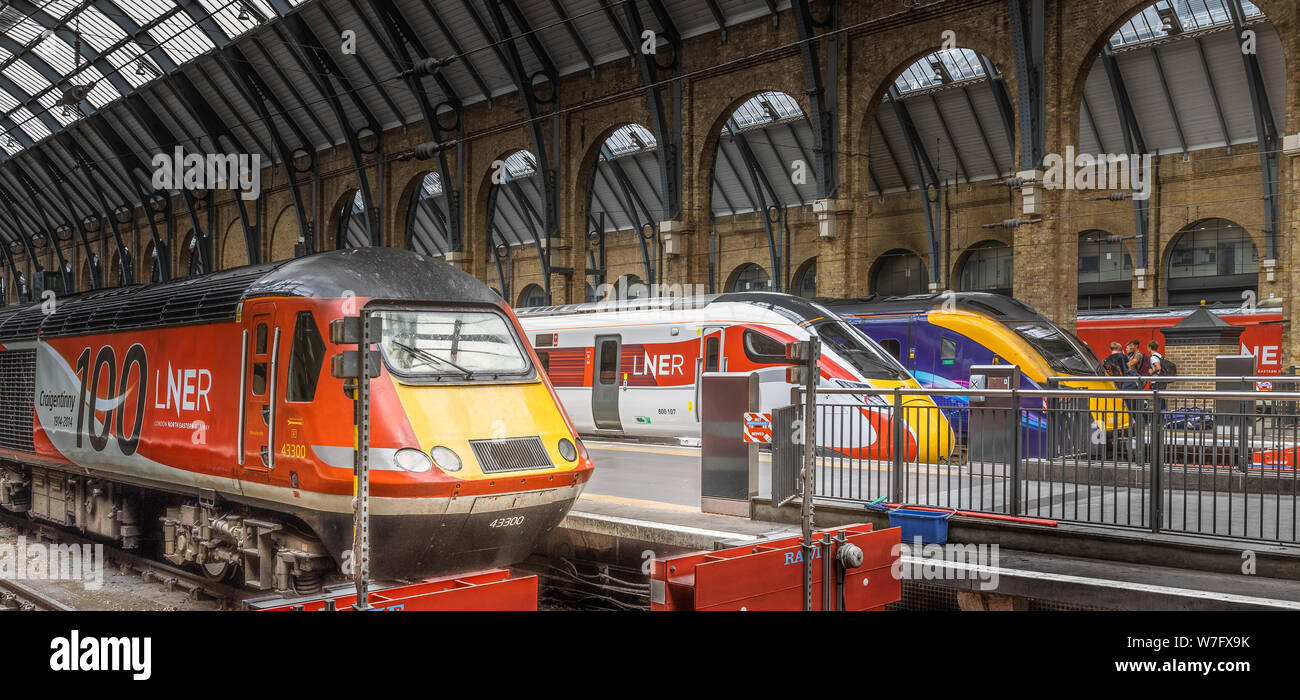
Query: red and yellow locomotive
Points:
[198, 418]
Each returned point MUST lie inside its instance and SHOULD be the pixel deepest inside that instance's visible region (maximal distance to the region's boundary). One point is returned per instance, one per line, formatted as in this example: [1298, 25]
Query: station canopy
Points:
[1181, 66]
[91, 90]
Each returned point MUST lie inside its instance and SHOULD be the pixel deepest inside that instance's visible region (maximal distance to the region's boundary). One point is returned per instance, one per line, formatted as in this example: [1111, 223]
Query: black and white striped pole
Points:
[349, 366]
[804, 355]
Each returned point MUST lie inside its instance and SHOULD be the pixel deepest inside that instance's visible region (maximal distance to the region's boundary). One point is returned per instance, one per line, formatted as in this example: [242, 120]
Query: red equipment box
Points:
[480, 591]
[769, 575]
[1275, 459]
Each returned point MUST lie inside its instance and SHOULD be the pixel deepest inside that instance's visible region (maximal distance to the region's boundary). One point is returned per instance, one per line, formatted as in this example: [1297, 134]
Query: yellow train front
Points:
[473, 458]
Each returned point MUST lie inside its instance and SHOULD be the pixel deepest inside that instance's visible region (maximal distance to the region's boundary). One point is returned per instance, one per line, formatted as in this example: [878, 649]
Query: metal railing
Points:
[1214, 463]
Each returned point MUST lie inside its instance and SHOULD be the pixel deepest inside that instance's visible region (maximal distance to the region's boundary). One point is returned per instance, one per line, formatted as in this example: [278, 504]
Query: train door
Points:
[605, 383]
[258, 385]
[713, 357]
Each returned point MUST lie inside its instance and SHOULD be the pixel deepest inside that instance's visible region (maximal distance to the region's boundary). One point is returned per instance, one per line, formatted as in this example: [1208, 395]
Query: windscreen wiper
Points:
[430, 357]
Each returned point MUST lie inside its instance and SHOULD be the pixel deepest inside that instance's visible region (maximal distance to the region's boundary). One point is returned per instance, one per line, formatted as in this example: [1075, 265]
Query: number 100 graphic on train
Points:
[633, 368]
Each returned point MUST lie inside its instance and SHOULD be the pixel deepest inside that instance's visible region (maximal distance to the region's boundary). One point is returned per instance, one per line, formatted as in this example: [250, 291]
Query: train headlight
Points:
[445, 458]
[411, 460]
[567, 450]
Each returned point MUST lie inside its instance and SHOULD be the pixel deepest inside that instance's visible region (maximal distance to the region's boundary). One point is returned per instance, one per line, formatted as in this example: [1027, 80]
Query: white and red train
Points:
[1261, 337]
[633, 368]
[198, 418]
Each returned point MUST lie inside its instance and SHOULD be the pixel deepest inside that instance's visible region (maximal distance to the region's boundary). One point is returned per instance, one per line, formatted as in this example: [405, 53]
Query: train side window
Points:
[757, 344]
[259, 378]
[947, 351]
[261, 339]
[608, 362]
[711, 354]
[306, 360]
[545, 358]
[893, 347]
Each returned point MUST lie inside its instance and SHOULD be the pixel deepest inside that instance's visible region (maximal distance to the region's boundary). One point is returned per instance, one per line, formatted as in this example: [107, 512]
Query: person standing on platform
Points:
[1157, 369]
[1115, 363]
[1138, 366]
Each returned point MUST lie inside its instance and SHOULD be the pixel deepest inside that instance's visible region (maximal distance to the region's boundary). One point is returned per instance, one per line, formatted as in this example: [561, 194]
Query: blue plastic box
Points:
[930, 526]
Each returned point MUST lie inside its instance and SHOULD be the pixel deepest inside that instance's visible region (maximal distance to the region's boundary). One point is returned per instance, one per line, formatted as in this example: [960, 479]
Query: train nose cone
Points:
[474, 532]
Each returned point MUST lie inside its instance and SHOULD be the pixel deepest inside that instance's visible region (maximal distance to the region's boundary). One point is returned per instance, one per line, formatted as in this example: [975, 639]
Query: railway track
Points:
[19, 596]
[172, 578]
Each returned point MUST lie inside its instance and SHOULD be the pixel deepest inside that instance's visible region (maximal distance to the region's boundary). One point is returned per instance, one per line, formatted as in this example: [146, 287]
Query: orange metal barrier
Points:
[492, 589]
[769, 575]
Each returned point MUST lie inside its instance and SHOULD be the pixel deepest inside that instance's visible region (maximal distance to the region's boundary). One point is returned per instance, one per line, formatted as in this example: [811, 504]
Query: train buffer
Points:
[491, 589]
[769, 575]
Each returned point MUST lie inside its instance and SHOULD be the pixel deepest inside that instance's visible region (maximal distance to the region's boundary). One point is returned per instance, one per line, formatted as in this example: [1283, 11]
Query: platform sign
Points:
[758, 427]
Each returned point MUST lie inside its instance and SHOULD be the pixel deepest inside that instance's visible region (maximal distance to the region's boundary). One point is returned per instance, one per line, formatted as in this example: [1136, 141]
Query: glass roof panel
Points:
[98, 30]
[940, 68]
[146, 11]
[631, 138]
[165, 22]
[29, 123]
[431, 186]
[235, 17]
[520, 164]
[181, 38]
[26, 77]
[1172, 17]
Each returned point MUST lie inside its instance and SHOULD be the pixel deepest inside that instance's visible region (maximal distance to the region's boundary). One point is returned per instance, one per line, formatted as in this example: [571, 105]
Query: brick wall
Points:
[1194, 360]
[880, 43]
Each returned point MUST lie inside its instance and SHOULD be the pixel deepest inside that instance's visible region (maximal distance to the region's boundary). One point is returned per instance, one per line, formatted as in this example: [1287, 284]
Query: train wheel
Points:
[218, 571]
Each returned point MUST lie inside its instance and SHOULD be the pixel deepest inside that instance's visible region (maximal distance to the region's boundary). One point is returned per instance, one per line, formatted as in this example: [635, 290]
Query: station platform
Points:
[643, 501]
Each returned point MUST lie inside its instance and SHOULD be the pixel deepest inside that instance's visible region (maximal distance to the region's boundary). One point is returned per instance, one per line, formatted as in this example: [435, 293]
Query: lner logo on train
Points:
[95, 397]
[635, 368]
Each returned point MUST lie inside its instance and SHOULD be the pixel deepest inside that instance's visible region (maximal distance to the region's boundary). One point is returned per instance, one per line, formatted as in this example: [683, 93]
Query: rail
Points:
[1211, 463]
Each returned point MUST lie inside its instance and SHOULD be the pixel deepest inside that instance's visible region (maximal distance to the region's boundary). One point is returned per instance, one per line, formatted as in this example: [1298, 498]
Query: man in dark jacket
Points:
[1115, 363]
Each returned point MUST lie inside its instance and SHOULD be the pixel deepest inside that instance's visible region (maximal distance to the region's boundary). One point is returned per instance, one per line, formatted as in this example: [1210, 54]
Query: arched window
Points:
[1211, 260]
[427, 230]
[624, 189]
[151, 259]
[353, 231]
[515, 203]
[751, 166]
[589, 293]
[533, 295]
[805, 280]
[986, 267]
[83, 277]
[113, 273]
[947, 81]
[749, 278]
[630, 287]
[1105, 272]
[186, 267]
[898, 273]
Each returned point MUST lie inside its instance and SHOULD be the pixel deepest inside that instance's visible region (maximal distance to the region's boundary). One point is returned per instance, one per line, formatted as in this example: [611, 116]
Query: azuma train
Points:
[938, 337]
[633, 368]
[196, 420]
